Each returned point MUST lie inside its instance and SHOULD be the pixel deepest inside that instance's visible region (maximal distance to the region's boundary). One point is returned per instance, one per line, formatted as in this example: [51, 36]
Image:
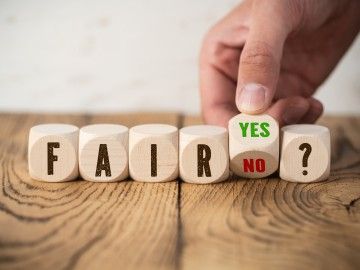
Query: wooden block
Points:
[203, 154]
[103, 152]
[53, 152]
[253, 145]
[153, 153]
[305, 153]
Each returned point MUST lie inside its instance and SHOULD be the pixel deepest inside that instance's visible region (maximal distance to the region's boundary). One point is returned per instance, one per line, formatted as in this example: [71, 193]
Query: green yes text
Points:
[254, 129]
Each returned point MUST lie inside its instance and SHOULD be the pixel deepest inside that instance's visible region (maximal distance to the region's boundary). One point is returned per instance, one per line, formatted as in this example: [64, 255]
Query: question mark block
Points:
[253, 145]
[305, 153]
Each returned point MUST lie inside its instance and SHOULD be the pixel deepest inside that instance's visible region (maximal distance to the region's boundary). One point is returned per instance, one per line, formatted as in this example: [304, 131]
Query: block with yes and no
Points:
[103, 152]
[203, 154]
[53, 152]
[305, 153]
[253, 145]
[153, 153]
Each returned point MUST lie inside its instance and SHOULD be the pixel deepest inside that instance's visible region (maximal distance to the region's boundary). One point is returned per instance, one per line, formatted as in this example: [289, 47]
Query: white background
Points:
[127, 55]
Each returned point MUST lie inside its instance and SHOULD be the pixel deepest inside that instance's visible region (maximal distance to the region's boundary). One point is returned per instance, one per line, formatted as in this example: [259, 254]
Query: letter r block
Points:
[103, 152]
[153, 153]
[52, 152]
[253, 145]
[203, 154]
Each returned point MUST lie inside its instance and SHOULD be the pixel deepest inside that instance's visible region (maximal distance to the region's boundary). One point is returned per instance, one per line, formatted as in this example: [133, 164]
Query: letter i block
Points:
[254, 145]
[53, 152]
[203, 154]
[153, 153]
[305, 153]
[103, 152]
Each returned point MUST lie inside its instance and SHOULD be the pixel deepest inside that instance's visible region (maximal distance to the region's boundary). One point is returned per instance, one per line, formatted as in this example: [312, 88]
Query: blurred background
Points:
[129, 55]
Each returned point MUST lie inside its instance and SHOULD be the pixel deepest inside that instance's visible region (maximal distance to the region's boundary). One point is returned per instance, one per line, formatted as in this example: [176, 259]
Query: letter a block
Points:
[103, 152]
[153, 153]
[203, 154]
[254, 145]
[305, 153]
[53, 152]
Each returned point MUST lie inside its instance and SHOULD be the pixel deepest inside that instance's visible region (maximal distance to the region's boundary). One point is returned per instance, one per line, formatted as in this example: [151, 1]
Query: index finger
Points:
[219, 63]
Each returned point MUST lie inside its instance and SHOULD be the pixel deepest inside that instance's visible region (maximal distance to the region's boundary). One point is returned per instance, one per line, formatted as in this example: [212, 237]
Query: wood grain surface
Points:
[238, 224]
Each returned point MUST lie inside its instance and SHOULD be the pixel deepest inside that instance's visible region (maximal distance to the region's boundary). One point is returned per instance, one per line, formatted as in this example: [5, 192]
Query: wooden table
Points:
[239, 224]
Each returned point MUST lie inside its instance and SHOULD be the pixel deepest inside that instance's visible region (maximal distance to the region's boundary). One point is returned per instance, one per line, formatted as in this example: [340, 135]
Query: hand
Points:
[270, 56]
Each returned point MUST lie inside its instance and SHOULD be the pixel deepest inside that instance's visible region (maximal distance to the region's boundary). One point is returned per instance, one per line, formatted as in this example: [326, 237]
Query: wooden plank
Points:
[243, 224]
[80, 224]
[274, 224]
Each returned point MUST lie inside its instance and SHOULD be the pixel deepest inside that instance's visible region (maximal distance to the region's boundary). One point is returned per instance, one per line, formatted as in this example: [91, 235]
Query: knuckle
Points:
[211, 50]
[216, 54]
[259, 55]
[296, 13]
[296, 7]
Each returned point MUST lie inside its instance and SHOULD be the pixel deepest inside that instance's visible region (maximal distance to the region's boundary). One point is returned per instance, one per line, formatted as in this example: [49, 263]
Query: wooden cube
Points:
[305, 153]
[253, 145]
[103, 152]
[153, 153]
[53, 152]
[203, 154]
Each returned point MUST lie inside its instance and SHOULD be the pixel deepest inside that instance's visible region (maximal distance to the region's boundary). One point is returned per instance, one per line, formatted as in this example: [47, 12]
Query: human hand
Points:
[270, 56]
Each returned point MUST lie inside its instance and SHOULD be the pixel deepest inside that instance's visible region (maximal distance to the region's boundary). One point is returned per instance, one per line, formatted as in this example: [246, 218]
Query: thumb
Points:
[260, 59]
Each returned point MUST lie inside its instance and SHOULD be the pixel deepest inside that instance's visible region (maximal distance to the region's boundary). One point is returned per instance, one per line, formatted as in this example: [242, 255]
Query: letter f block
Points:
[52, 152]
[203, 154]
[254, 145]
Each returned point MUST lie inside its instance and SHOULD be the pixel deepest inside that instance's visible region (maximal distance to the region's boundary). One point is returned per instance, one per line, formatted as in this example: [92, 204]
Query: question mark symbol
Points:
[307, 147]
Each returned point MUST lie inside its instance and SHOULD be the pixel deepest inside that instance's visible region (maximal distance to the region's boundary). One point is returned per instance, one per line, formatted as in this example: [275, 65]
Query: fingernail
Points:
[252, 98]
[293, 115]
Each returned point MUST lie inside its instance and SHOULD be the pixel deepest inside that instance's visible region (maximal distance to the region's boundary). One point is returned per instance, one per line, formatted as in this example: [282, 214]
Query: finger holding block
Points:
[305, 153]
[53, 152]
[203, 154]
[253, 145]
[153, 153]
[103, 152]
